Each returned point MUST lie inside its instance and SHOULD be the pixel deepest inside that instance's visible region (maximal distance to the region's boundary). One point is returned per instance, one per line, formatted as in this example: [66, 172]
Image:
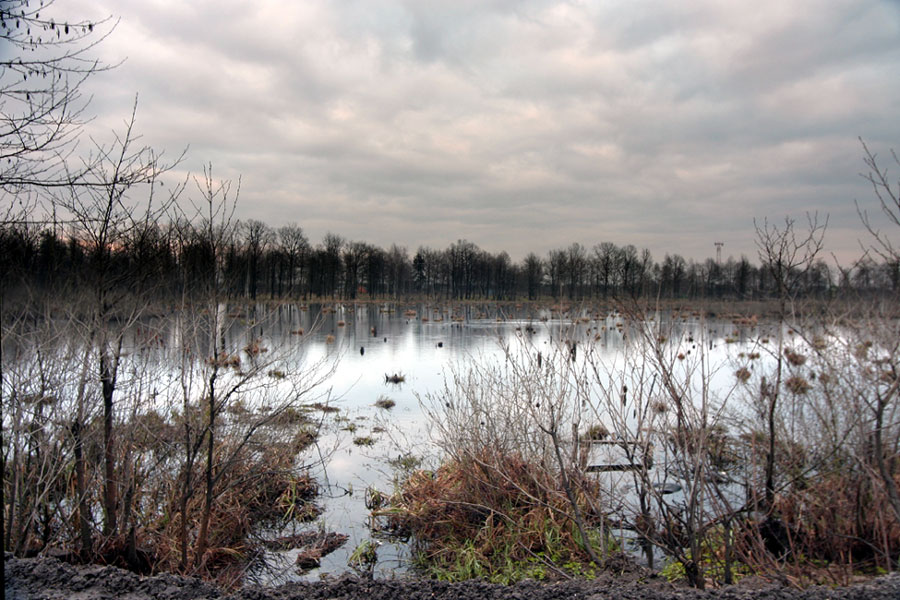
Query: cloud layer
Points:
[521, 126]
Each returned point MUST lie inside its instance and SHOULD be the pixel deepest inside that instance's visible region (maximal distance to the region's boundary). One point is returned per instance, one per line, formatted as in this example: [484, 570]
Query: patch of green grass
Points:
[503, 567]
[712, 561]
[364, 557]
[364, 440]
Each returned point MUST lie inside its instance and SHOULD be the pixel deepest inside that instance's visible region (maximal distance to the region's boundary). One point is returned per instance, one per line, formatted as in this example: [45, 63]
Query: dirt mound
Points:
[50, 579]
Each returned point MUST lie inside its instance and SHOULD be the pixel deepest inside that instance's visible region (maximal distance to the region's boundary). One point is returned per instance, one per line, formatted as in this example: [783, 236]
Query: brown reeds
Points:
[495, 515]
[259, 488]
[829, 530]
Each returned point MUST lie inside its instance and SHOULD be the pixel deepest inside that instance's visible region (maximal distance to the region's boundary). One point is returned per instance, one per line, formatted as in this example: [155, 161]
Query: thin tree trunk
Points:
[771, 394]
[694, 575]
[203, 535]
[9, 521]
[83, 511]
[729, 553]
[570, 494]
[186, 489]
[84, 523]
[108, 369]
[887, 478]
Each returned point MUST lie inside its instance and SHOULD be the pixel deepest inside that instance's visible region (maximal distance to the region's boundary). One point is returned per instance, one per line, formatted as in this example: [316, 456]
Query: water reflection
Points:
[424, 343]
[364, 343]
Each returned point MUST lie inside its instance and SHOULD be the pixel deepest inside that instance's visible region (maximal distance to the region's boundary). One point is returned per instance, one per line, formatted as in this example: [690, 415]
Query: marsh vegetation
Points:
[168, 377]
[169, 424]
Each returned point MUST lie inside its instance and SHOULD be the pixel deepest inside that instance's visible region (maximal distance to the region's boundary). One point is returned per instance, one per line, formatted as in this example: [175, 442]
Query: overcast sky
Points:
[518, 125]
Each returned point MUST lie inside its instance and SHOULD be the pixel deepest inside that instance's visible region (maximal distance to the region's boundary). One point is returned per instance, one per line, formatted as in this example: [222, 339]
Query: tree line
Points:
[281, 263]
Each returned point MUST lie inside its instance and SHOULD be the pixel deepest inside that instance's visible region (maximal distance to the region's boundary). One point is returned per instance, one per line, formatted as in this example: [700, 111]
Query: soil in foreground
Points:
[50, 579]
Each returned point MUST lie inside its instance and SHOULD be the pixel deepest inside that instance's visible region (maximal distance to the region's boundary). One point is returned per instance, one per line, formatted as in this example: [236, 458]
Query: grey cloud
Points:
[519, 125]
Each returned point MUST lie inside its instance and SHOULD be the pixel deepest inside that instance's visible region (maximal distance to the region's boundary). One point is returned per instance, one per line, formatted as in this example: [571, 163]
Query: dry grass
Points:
[485, 515]
[829, 529]
[385, 403]
[261, 487]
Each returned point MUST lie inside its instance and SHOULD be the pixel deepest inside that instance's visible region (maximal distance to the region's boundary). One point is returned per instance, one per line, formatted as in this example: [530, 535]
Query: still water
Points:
[424, 343]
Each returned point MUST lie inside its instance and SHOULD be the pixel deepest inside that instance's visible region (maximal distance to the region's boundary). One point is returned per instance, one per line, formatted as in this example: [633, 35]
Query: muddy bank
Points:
[50, 579]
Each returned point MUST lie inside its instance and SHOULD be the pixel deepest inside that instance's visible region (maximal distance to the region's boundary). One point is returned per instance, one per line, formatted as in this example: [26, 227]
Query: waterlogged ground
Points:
[366, 343]
[363, 444]
[49, 579]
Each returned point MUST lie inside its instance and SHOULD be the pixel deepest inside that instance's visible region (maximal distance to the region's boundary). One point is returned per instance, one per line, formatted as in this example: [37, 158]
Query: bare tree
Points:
[42, 112]
[105, 216]
[534, 275]
[398, 271]
[295, 246]
[331, 263]
[787, 255]
[604, 259]
[881, 397]
[576, 266]
[224, 372]
[257, 238]
[556, 269]
[889, 201]
[353, 258]
[40, 93]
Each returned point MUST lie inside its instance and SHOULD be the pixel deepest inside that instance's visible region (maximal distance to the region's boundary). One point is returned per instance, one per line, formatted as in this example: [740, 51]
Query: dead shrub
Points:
[262, 486]
[794, 357]
[797, 385]
[839, 518]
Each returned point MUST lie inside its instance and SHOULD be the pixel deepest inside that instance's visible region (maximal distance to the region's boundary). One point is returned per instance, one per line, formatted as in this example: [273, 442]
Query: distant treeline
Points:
[256, 261]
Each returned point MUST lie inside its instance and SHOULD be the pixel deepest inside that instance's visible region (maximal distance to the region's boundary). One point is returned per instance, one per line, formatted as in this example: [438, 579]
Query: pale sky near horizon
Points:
[518, 125]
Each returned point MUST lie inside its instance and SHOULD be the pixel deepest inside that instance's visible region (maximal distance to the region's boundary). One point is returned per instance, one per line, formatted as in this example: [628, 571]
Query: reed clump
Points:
[491, 516]
[385, 403]
[824, 530]
[262, 487]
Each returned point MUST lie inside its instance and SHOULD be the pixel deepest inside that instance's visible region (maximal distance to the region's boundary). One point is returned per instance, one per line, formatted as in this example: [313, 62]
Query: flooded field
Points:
[365, 444]
[368, 392]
